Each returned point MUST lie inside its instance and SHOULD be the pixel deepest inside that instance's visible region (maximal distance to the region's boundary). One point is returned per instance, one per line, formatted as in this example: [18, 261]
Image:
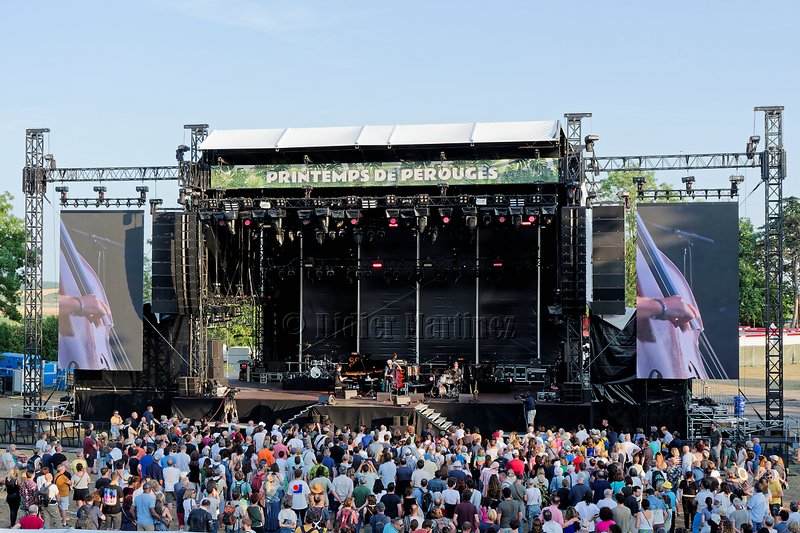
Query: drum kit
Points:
[446, 385]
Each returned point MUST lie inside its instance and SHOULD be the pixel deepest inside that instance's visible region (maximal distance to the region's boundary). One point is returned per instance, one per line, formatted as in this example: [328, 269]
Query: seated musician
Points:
[338, 379]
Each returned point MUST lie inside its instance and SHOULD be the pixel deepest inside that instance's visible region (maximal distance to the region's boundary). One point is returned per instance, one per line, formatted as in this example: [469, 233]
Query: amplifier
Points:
[546, 396]
[402, 400]
[349, 394]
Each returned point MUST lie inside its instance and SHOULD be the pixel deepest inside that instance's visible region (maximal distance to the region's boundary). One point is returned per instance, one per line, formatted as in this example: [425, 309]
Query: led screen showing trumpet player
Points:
[687, 303]
[100, 290]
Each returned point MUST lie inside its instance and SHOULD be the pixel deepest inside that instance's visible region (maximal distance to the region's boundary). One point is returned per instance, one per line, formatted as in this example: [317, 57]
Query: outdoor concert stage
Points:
[490, 413]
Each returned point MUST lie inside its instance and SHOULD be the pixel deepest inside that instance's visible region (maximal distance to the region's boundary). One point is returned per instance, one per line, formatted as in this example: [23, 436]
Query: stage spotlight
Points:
[377, 264]
[446, 213]
[639, 181]
[393, 215]
[354, 215]
[219, 219]
[497, 263]
[688, 181]
[358, 236]
[516, 220]
[305, 216]
[205, 217]
[463, 198]
[332, 235]
[142, 190]
[323, 217]
[407, 216]
[291, 236]
[625, 196]
[487, 219]
[752, 144]
[434, 233]
[370, 236]
[735, 181]
[154, 203]
[279, 237]
[320, 236]
[422, 218]
[391, 199]
[471, 222]
[101, 192]
[63, 190]
[180, 151]
[589, 140]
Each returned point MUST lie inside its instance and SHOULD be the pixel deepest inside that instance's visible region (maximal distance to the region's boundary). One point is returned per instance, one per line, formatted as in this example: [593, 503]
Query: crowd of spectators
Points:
[158, 473]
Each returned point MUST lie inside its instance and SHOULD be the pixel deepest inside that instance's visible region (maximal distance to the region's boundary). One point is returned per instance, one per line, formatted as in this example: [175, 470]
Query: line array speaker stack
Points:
[573, 258]
[187, 282]
[608, 260]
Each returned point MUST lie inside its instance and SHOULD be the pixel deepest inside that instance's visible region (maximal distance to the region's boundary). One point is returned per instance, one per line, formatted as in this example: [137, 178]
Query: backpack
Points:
[228, 515]
[315, 514]
[427, 502]
[343, 522]
[258, 480]
[83, 516]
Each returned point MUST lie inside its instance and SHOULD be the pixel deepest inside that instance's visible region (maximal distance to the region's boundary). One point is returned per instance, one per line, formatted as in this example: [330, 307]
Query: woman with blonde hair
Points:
[347, 517]
[12, 483]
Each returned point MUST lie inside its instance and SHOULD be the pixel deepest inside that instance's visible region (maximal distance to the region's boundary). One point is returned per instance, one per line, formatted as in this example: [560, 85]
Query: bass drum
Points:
[316, 372]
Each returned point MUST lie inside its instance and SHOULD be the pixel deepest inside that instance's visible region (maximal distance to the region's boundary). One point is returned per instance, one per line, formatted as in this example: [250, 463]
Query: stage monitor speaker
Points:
[417, 397]
[384, 397]
[608, 260]
[402, 400]
[188, 386]
[573, 258]
[349, 394]
[216, 367]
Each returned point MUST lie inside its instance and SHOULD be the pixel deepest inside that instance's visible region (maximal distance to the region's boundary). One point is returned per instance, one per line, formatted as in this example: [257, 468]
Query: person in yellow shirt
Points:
[116, 423]
[776, 492]
[63, 482]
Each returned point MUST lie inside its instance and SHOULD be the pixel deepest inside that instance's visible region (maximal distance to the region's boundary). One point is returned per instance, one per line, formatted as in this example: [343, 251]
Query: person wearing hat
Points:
[145, 505]
[378, 521]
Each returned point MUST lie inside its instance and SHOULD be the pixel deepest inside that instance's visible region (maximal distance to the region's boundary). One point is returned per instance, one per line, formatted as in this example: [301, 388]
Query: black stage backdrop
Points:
[447, 297]
[508, 294]
[388, 300]
[329, 298]
[700, 244]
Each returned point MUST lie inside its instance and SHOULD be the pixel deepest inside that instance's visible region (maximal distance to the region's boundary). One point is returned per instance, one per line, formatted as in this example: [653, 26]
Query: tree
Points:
[12, 257]
[50, 338]
[751, 275]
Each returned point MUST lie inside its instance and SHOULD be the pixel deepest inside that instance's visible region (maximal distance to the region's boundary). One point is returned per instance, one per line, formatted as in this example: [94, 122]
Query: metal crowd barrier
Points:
[26, 431]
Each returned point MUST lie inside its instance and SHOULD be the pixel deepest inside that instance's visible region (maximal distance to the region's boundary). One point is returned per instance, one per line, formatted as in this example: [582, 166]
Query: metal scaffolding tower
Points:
[34, 185]
[773, 170]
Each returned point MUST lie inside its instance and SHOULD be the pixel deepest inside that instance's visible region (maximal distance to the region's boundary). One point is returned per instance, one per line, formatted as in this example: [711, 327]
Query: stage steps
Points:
[433, 416]
[286, 425]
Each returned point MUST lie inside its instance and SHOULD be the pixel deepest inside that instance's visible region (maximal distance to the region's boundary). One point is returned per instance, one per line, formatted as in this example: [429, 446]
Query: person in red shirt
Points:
[32, 521]
[516, 464]
[89, 450]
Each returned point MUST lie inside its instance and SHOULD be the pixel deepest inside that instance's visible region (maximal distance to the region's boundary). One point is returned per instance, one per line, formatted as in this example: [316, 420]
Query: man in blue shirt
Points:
[145, 504]
[530, 408]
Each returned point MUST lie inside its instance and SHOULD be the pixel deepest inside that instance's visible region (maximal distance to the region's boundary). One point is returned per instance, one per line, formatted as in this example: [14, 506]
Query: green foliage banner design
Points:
[484, 172]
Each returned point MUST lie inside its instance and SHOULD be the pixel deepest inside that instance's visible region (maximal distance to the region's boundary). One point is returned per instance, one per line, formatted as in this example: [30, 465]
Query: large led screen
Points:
[687, 291]
[100, 290]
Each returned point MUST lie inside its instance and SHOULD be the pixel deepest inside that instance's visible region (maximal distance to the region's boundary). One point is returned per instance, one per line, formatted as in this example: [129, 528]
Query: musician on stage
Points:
[388, 375]
[458, 376]
[338, 379]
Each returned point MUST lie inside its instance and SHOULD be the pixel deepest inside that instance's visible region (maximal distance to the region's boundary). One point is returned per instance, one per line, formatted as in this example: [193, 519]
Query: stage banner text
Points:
[501, 171]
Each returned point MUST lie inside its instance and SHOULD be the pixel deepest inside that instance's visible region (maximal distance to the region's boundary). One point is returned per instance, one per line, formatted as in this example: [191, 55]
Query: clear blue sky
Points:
[115, 82]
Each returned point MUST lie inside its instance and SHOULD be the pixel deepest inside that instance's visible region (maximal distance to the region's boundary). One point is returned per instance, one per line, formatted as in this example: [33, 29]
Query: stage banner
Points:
[497, 171]
[101, 290]
[687, 303]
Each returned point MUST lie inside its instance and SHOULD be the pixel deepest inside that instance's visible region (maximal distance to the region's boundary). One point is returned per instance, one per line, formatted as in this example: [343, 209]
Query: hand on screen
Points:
[678, 311]
[93, 309]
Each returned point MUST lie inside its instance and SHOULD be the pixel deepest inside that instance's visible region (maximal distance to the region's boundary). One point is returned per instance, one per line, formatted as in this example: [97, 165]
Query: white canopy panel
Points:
[382, 136]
